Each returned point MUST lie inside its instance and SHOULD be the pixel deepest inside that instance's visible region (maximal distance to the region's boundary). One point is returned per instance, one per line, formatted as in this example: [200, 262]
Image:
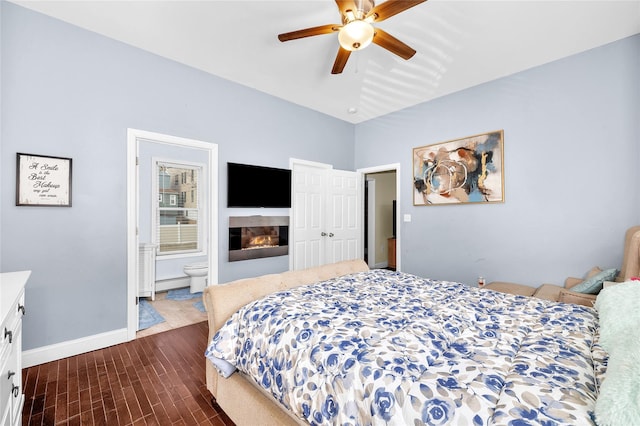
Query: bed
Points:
[341, 344]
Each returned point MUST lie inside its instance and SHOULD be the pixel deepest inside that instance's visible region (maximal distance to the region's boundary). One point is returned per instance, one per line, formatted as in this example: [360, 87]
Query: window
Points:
[178, 222]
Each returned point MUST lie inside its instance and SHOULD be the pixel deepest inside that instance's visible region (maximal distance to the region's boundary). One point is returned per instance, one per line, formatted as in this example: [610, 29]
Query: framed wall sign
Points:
[461, 171]
[42, 180]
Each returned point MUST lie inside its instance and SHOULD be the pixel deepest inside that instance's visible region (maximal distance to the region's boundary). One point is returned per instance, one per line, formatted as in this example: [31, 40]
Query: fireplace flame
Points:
[262, 241]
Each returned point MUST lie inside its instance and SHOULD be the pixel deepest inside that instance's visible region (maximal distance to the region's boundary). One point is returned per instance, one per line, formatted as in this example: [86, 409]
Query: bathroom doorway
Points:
[381, 216]
[145, 149]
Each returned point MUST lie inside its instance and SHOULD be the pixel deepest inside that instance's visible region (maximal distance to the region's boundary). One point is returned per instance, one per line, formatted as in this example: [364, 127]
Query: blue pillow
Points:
[593, 285]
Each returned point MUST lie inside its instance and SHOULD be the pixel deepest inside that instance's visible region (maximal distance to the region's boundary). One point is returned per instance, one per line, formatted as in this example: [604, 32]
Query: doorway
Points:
[381, 216]
[134, 139]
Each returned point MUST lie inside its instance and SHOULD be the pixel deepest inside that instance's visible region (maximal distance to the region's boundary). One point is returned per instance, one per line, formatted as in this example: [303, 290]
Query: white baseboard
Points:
[69, 348]
[73, 347]
[172, 283]
[381, 265]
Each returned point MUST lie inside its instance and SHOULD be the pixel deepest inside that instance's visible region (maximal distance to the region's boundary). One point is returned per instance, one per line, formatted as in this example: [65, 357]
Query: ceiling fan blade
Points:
[392, 44]
[341, 61]
[308, 32]
[392, 7]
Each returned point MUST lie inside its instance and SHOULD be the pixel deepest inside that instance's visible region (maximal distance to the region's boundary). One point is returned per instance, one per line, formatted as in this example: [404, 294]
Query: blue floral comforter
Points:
[383, 347]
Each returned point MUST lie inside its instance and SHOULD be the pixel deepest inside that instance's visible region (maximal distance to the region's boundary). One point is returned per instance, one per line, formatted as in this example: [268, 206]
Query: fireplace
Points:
[254, 237]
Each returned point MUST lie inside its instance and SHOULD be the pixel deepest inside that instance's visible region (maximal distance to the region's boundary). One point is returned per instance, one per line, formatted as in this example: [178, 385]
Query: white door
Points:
[326, 225]
[308, 216]
[343, 222]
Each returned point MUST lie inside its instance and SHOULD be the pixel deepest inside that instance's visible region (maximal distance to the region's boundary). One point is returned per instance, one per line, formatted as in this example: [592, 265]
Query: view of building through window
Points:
[178, 211]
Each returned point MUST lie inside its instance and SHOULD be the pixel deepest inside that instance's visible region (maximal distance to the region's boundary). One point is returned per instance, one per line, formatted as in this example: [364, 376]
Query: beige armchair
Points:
[630, 268]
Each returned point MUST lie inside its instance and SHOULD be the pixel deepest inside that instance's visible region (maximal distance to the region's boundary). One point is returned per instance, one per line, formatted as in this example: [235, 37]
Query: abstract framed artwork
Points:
[42, 180]
[460, 171]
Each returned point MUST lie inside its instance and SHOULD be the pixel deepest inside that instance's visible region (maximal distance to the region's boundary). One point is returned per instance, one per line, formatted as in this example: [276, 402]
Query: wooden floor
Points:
[154, 380]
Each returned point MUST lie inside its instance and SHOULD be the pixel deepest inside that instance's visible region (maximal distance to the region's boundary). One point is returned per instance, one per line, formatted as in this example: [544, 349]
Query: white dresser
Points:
[11, 312]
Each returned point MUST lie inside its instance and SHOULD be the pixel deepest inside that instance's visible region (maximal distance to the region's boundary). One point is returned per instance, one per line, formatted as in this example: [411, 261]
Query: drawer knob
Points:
[21, 308]
[8, 333]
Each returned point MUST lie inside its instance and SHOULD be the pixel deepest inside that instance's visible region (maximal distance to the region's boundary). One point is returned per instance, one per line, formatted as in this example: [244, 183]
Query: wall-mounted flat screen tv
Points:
[257, 186]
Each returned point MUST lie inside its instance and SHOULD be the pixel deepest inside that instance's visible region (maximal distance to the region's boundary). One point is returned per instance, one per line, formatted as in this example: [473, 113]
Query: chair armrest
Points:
[572, 282]
[510, 288]
[568, 296]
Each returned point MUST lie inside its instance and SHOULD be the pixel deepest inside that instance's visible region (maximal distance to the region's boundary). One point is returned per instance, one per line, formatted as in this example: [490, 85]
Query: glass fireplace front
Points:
[253, 237]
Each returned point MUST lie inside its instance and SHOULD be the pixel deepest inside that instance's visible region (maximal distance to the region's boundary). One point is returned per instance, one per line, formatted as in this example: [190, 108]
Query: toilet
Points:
[198, 272]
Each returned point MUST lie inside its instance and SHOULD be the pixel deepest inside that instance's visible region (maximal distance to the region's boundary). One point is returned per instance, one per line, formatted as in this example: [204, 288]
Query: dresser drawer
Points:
[11, 312]
[9, 329]
[14, 316]
[5, 348]
[8, 373]
[11, 391]
[5, 391]
[10, 339]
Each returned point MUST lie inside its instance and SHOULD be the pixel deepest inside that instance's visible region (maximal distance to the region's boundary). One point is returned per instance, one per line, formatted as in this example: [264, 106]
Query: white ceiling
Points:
[459, 44]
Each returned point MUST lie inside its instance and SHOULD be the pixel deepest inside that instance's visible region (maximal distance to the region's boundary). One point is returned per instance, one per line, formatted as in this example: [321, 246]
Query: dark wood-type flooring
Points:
[154, 380]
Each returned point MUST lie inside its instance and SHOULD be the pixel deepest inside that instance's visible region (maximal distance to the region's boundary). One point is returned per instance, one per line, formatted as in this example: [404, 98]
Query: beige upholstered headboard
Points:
[222, 300]
[631, 260]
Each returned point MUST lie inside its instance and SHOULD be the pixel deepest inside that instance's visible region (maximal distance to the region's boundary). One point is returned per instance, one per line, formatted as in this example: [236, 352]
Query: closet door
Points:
[308, 215]
[326, 216]
[343, 216]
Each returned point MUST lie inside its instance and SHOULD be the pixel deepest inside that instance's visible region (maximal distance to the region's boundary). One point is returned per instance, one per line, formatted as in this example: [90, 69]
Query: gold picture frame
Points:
[468, 170]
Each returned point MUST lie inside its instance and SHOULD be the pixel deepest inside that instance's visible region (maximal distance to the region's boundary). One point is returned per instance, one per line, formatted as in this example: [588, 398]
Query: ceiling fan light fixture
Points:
[356, 35]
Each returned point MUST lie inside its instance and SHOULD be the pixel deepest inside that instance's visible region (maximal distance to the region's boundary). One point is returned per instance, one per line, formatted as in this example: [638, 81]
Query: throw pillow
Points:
[593, 271]
[594, 284]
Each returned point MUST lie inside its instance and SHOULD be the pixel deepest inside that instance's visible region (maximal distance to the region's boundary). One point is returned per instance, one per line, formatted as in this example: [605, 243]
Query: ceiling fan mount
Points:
[357, 30]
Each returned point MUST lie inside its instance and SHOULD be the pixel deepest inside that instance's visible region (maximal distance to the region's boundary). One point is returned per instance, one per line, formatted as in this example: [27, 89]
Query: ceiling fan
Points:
[356, 31]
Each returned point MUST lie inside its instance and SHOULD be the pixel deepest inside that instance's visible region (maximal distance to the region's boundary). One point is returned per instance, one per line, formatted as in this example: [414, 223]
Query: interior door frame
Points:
[371, 220]
[387, 168]
[211, 217]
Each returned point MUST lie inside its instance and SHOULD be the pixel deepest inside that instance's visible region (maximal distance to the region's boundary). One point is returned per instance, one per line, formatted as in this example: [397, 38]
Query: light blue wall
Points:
[1, 121]
[71, 93]
[572, 149]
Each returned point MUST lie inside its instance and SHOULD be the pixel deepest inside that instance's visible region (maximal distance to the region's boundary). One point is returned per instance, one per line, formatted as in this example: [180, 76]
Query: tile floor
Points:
[177, 313]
